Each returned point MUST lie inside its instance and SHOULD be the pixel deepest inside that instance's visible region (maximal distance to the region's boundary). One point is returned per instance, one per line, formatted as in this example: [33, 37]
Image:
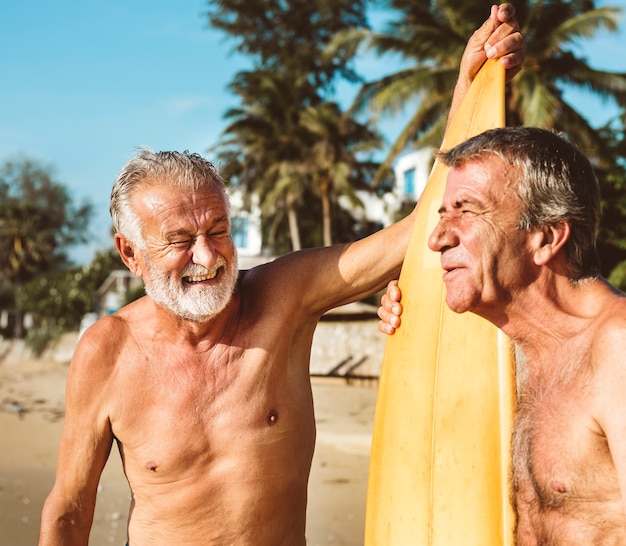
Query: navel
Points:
[152, 466]
[272, 417]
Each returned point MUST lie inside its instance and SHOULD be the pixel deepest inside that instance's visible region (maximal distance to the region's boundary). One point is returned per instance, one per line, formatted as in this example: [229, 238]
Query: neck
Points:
[191, 332]
[549, 313]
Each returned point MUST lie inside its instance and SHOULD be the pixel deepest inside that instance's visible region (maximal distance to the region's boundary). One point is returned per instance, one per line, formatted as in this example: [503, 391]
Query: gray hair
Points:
[556, 184]
[181, 170]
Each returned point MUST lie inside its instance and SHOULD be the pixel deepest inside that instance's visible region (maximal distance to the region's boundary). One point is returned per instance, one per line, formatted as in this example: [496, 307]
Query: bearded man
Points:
[204, 383]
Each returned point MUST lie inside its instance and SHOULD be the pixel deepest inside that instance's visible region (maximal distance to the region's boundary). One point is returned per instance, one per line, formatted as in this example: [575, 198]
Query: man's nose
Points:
[203, 252]
[442, 236]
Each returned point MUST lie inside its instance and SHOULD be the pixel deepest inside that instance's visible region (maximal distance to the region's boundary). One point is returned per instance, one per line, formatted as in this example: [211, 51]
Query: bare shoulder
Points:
[613, 325]
[285, 281]
[98, 349]
[609, 344]
[608, 386]
[300, 264]
[104, 335]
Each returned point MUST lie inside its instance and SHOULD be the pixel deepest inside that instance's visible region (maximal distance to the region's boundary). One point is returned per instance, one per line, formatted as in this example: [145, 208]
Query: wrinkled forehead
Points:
[163, 199]
[174, 186]
[489, 181]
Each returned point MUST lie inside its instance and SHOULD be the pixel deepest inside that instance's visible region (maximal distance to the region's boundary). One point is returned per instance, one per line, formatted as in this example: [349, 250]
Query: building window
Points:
[239, 230]
[409, 181]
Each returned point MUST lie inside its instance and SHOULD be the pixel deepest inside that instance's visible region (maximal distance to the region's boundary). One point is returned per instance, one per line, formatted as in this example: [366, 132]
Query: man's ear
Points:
[550, 241]
[127, 252]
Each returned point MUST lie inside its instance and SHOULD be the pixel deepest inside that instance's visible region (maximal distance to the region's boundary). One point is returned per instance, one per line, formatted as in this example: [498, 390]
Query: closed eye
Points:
[459, 208]
[179, 243]
[460, 213]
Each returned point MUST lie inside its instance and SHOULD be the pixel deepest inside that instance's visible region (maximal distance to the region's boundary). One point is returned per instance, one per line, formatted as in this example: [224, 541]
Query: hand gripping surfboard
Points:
[440, 455]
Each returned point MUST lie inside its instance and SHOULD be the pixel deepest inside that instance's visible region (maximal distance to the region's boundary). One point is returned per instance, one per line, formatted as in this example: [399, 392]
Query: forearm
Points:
[460, 90]
[62, 535]
[371, 263]
[69, 509]
[332, 276]
[62, 527]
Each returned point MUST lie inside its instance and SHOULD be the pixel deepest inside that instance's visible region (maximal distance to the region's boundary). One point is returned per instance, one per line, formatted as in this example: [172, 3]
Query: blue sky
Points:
[87, 81]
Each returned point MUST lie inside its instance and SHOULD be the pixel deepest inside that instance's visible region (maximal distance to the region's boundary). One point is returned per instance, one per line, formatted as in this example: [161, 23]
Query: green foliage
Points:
[554, 33]
[103, 263]
[286, 144]
[431, 36]
[611, 172]
[57, 300]
[38, 221]
[289, 36]
[134, 294]
[618, 276]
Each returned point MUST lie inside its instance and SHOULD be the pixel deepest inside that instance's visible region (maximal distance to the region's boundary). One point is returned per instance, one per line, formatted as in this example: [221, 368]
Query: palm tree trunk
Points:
[18, 329]
[292, 217]
[326, 219]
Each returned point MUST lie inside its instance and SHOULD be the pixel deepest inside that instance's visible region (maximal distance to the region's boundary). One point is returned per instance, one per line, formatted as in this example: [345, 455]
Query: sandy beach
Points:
[31, 417]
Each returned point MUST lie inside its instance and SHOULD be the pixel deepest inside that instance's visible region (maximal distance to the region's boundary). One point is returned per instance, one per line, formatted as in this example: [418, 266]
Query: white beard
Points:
[195, 303]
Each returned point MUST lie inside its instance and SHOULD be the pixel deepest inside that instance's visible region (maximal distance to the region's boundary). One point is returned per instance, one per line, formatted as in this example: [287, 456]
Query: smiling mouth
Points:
[209, 275]
[448, 271]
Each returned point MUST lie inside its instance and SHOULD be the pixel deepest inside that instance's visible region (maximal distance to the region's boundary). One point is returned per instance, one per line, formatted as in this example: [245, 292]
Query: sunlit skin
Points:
[204, 383]
[569, 441]
[478, 239]
[191, 266]
[214, 418]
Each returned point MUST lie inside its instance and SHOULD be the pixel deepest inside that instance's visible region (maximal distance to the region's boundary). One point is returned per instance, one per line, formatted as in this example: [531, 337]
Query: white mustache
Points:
[195, 270]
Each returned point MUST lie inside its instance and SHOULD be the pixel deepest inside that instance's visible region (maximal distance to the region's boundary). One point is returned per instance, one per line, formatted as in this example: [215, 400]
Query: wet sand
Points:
[31, 417]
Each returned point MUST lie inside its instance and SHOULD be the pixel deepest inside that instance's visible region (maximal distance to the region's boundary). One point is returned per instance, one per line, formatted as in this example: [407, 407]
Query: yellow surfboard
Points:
[441, 442]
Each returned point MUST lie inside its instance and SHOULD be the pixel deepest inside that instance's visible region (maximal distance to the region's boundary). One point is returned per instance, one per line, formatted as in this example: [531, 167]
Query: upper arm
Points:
[611, 394]
[323, 278]
[86, 438]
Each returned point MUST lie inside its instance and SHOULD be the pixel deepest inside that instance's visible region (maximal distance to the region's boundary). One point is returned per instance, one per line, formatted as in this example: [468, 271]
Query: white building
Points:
[411, 174]
[245, 224]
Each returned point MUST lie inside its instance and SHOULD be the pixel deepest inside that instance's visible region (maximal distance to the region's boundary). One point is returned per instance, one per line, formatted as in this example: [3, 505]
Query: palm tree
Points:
[338, 160]
[262, 149]
[266, 148]
[283, 144]
[430, 37]
[38, 222]
[552, 31]
[611, 238]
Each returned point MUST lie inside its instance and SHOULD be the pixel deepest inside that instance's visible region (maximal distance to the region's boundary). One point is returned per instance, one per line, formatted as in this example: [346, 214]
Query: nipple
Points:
[272, 418]
[558, 486]
[151, 465]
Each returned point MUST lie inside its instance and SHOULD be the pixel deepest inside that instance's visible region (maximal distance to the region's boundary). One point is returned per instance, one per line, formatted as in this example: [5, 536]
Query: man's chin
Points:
[198, 319]
[202, 315]
[456, 305]
[197, 303]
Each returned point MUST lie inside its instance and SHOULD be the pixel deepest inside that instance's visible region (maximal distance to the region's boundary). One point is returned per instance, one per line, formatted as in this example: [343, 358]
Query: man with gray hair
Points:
[516, 237]
[204, 383]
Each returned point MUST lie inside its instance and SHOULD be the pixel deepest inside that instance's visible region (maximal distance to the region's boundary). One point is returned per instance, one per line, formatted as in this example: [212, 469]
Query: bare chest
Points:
[564, 480]
[197, 415]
